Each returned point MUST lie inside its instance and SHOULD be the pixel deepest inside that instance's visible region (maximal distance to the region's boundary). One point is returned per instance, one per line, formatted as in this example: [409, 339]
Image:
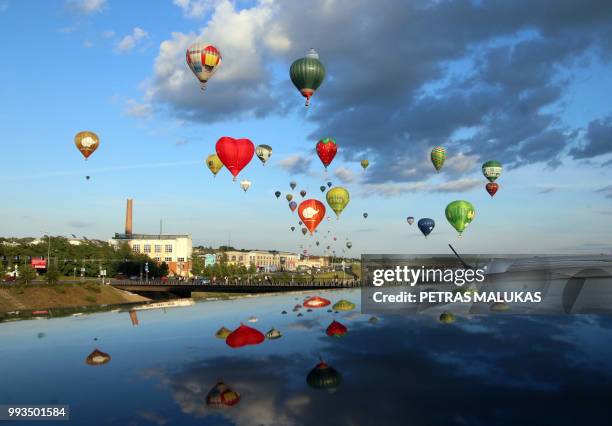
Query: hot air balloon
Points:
[492, 170]
[349, 244]
[365, 215]
[335, 329]
[322, 376]
[343, 305]
[86, 142]
[235, 154]
[277, 193]
[410, 220]
[87, 177]
[447, 317]
[273, 334]
[289, 197]
[317, 243]
[326, 150]
[337, 198]
[292, 185]
[243, 336]
[304, 231]
[303, 193]
[97, 357]
[222, 333]
[426, 225]
[492, 188]
[293, 206]
[438, 155]
[312, 213]
[214, 164]
[292, 228]
[316, 302]
[300, 223]
[221, 396]
[203, 59]
[365, 164]
[329, 184]
[460, 214]
[307, 74]
[322, 188]
[245, 184]
[263, 152]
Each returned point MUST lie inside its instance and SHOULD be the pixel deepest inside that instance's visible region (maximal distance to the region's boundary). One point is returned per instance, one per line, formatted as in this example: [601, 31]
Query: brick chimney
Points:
[128, 217]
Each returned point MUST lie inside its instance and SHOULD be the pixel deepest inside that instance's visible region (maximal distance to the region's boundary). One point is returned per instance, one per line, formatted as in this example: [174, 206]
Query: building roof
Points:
[149, 236]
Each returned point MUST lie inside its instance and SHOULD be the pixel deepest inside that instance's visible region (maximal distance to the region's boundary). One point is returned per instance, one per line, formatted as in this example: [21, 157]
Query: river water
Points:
[392, 370]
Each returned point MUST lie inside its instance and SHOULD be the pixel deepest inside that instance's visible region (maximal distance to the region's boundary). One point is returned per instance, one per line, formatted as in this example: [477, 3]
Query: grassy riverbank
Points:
[44, 296]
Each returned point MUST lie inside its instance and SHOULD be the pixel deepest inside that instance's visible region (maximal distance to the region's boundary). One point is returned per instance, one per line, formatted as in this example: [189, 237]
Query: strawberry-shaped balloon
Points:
[326, 150]
[312, 213]
[235, 154]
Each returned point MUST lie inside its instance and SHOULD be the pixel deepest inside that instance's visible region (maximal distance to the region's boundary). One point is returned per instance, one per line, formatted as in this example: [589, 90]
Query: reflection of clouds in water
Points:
[263, 386]
[398, 373]
[155, 418]
[305, 325]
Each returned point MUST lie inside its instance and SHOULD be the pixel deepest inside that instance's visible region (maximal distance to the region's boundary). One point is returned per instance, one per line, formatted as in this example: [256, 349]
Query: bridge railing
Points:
[323, 283]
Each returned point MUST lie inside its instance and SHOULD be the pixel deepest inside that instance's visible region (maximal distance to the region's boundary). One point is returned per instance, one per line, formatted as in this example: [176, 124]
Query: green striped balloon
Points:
[492, 170]
[307, 74]
[438, 155]
[460, 214]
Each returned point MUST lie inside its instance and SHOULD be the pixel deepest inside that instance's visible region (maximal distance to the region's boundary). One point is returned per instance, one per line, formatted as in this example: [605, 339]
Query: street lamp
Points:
[48, 249]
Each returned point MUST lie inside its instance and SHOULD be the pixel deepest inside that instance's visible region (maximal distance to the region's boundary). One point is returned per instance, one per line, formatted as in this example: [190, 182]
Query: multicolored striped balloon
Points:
[438, 155]
[203, 60]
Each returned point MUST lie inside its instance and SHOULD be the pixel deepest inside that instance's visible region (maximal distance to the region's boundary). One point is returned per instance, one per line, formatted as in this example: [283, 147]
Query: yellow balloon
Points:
[365, 164]
[214, 163]
[337, 198]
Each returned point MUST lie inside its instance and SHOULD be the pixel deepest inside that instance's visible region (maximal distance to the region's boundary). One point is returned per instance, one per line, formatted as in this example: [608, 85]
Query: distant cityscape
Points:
[178, 253]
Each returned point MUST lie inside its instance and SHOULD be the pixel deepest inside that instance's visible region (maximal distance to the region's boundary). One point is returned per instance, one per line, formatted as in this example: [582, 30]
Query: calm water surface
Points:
[483, 370]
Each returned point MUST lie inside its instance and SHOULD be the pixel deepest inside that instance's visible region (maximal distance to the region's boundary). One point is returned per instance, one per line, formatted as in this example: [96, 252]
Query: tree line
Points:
[68, 259]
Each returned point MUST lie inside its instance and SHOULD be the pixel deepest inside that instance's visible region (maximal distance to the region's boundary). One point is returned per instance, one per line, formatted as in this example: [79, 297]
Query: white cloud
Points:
[461, 163]
[138, 110]
[86, 7]
[295, 164]
[459, 185]
[129, 42]
[196, 9]
[108, 34]
[394, 189]
[247, 39]
[345, 175]
[88, 44]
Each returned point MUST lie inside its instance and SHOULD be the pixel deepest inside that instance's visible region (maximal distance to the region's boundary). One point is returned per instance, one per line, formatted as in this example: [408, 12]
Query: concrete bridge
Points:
[184, 288]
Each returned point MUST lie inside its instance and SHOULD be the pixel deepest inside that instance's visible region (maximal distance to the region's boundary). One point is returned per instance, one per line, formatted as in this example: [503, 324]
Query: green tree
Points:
[163, 269]
[27, 274]
[197, 265]
[53, 274]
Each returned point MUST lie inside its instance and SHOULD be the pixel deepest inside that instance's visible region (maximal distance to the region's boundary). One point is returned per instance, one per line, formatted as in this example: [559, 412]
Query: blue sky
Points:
[117, 68]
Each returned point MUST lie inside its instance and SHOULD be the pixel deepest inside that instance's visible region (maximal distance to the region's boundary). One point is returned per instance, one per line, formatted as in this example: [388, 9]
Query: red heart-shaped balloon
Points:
[235, 154]
[312, 213]
[243, 336]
